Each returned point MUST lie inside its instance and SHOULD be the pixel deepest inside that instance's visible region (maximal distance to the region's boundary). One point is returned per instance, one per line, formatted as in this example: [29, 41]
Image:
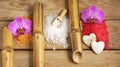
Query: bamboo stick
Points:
[7, 49]
[75, 31]
[39, 50]
[38, 47]
[38, 17]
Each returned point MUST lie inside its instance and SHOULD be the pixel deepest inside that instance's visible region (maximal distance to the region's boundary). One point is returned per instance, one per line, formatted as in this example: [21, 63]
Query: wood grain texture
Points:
[113, 29]
[63, 59]
[114, 34]
[14, 8]
[110, 7]
[11, 8]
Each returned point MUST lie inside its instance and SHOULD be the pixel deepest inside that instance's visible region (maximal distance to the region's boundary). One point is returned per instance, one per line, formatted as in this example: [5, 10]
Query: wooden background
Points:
[62, 56]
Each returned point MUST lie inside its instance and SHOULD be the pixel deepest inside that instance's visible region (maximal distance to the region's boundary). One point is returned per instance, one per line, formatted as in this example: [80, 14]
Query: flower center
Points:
[21, 31]
[92, 20]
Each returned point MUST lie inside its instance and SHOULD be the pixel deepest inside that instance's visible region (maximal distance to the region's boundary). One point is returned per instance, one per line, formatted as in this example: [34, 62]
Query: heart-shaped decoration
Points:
[87, 39]
[97, 47]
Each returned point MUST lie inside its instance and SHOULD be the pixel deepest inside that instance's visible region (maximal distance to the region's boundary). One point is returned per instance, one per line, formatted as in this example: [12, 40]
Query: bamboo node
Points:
[38, 32]
[75, 30]
[9, 49]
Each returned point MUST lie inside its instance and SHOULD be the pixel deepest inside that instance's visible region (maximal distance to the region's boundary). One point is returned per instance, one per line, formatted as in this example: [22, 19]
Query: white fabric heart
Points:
[97, 47]
[87, 39]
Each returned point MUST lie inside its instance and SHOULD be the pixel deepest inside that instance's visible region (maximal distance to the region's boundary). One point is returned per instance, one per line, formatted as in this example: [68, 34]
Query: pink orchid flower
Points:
[20, 26]
[92, 14]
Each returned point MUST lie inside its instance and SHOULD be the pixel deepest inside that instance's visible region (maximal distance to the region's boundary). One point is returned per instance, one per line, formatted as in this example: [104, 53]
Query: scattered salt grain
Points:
[55, 34]
[54, 48]
[47, 45]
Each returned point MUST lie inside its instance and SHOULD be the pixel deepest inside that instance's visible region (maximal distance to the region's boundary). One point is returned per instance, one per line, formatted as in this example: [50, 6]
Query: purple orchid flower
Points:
[92, 14]
[20, 26]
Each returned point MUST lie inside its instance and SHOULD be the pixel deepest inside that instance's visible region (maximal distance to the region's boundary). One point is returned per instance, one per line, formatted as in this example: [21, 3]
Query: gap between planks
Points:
[63, 58]
[14, 8]
[113, 28]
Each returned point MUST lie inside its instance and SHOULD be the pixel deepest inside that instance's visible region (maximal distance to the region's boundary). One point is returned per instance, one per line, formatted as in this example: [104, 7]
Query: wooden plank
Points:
[14, 8]
[114, 34]
[113, 29]
[3, 24]
[11, 8]
[108, 6]
[63, 59]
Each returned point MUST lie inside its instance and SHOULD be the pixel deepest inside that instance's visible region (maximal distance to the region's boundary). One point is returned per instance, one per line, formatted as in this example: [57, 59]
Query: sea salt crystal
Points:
[55, 34]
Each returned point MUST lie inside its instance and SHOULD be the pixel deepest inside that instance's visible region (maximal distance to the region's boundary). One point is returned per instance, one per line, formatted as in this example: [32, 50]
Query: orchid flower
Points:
[20, 26]
[92, 14]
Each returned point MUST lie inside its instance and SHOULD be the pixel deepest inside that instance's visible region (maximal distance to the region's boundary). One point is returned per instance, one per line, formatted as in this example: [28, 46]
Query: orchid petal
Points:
[18, 19]
[86, 14]
[27, 24]
[99, 15]
[13, 26]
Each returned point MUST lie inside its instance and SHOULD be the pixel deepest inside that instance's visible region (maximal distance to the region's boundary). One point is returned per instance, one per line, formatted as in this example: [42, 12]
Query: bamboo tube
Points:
[38, 47]
[7, 49]
[75, 31]
[38, 17]
[39, 50]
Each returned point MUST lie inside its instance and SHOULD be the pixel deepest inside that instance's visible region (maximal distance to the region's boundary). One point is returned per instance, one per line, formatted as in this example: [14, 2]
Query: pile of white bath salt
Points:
[56, 34]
